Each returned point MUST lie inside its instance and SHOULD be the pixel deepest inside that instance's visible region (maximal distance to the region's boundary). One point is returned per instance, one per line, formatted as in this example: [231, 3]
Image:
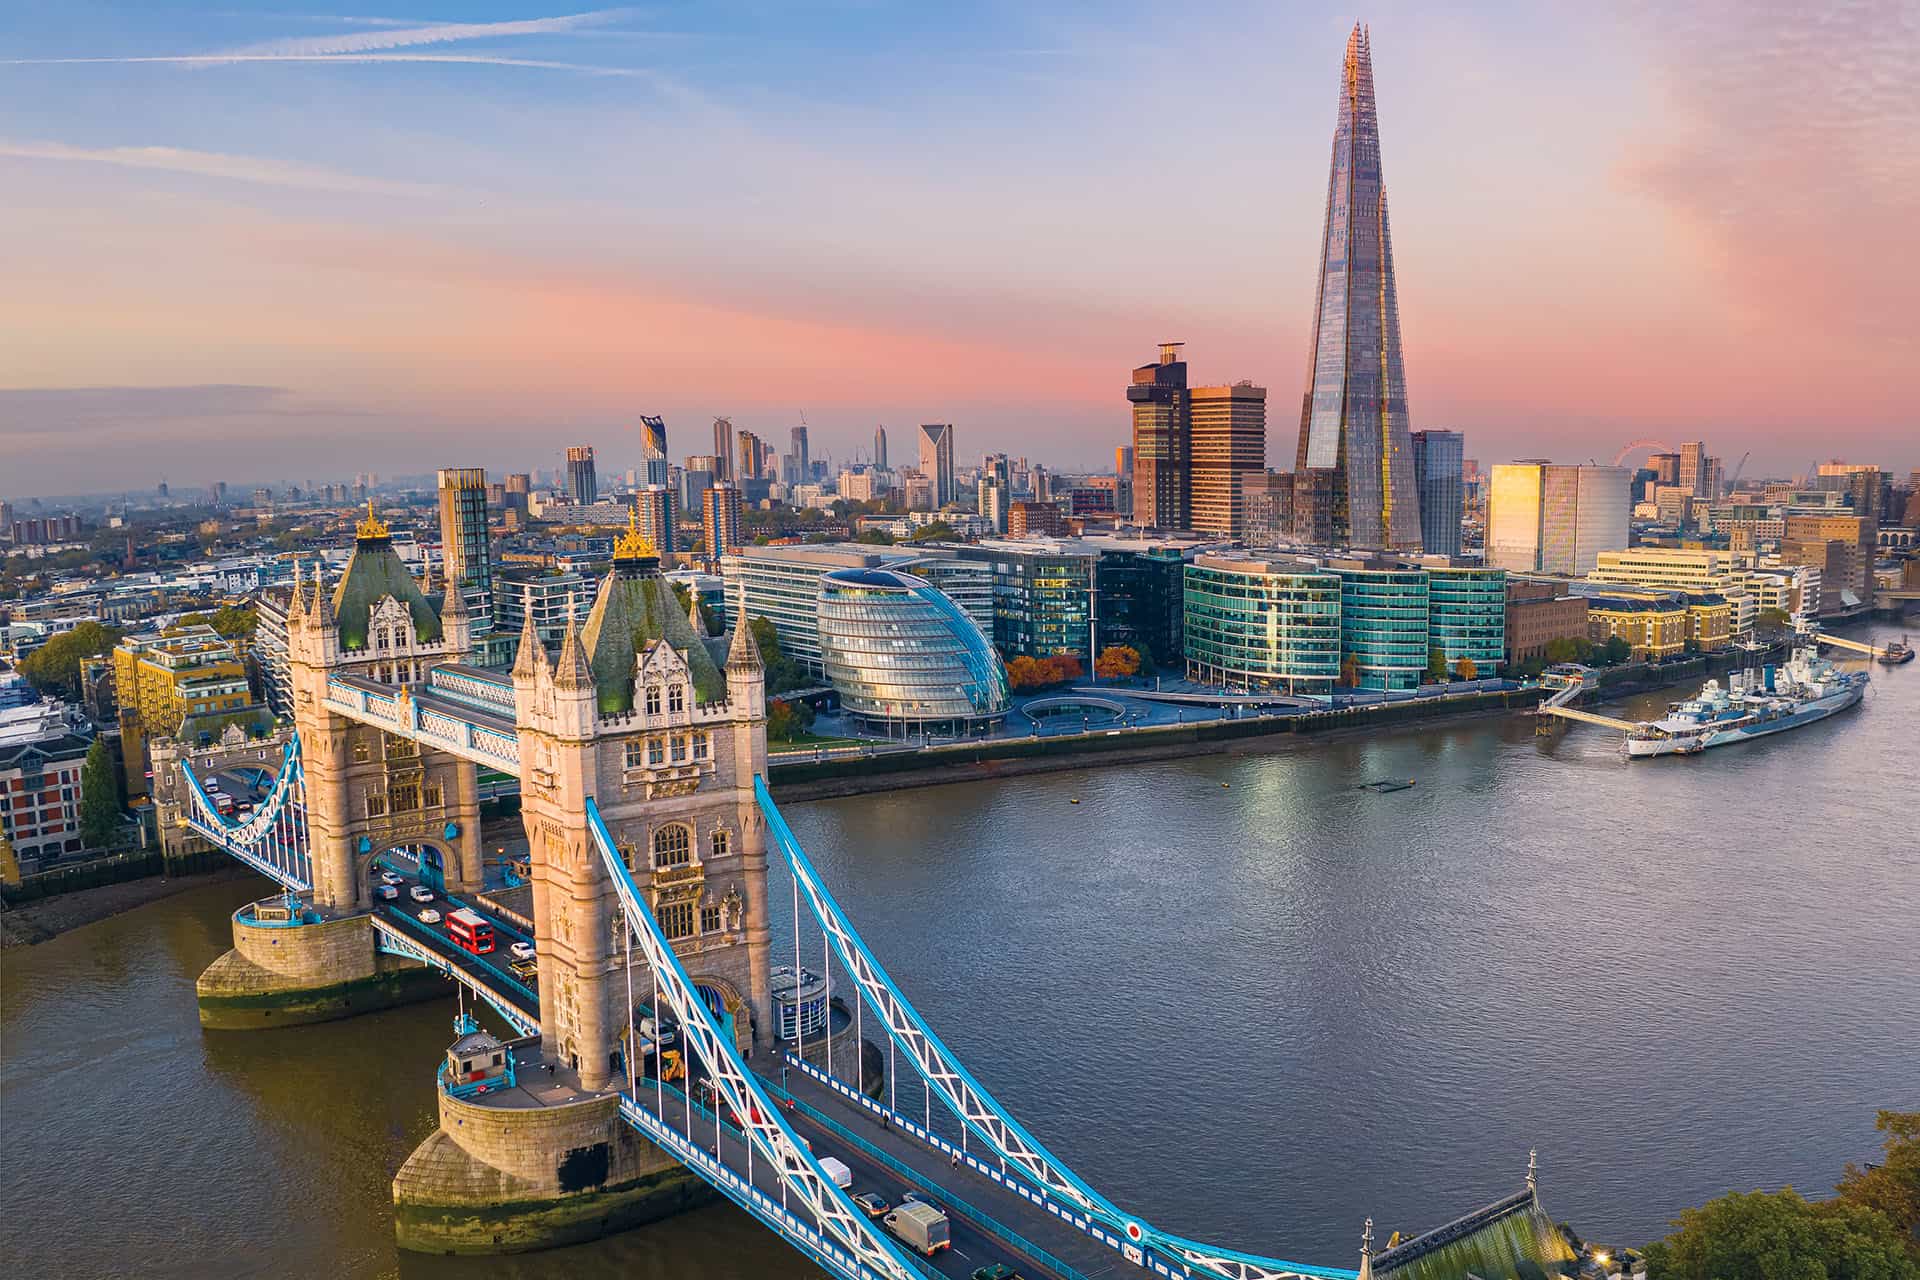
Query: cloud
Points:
[214, 164]
[1786, 152]
[440, 33]
[36, 411]
[224, 59]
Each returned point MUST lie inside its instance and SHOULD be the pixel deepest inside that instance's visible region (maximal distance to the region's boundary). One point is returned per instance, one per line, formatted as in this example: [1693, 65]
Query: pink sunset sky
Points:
[260, 247]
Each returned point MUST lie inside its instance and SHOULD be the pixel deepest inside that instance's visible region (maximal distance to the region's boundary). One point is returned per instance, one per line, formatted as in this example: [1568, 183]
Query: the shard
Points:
[1353, 477]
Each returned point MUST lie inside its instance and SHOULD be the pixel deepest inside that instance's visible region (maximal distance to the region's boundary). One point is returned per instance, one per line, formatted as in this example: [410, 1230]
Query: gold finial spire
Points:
[373, 526]
[633, 544]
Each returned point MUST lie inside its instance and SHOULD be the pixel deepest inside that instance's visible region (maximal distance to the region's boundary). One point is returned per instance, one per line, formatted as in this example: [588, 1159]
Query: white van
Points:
[841, 1175]
[920, 1225]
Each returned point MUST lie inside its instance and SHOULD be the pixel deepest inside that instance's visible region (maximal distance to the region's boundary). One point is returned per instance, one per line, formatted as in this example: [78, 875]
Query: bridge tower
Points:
[368, 790]
[636, 713]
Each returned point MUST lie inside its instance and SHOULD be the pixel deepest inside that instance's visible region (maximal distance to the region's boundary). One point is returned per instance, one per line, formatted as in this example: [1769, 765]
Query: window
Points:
[656, 752]
[677, 698]
[710, 919]
[672, 846]
[722, 843]
[701, 746]
[679, 748]
[431, 796]
[635, 748]
[403, 796]
[376, 805]
[362, 752]
[653, 699]
[676, 919]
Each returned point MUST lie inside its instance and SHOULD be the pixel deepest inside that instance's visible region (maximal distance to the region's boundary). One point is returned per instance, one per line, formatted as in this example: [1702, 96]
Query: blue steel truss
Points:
[982, 1114]
[273, 840]
[391, 938]
[847, 1241]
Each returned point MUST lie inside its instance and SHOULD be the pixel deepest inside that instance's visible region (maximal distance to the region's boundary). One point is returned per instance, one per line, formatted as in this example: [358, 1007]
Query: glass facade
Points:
[1042, 599]
[1438, 460]
[899, 651]
[1141, 601]
[1383, 625]
[1467, 616]
[1353, 428]
[1255, 624]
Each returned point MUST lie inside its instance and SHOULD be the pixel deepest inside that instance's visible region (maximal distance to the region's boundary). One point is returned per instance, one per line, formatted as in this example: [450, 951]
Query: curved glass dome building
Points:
[900, 652]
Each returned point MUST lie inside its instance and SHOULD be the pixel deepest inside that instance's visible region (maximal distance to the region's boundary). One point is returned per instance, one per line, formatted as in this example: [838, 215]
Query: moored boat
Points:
[1752, 704]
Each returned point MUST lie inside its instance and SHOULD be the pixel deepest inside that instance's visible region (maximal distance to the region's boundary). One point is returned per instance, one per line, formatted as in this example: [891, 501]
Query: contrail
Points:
[224, 59]
[215, 164]
[440, 33]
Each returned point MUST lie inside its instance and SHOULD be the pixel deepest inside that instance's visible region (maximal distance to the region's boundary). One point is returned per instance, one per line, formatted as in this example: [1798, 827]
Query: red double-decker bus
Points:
[470, 930]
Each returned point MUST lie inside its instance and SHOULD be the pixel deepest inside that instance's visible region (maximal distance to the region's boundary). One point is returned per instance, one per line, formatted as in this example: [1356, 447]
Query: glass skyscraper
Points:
[1438, 458]
[1354, 482]
[653, 448]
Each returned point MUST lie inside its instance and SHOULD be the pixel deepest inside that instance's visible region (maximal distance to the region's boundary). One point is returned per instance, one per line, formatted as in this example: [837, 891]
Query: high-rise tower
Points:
[653, 447]
[1162, 440]
[1354, 471]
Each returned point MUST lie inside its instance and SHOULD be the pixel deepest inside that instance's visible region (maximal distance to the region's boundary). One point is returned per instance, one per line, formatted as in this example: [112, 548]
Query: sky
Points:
[272, 243]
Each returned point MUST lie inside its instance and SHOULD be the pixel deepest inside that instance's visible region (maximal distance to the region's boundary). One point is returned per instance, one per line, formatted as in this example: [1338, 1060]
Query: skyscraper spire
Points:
[1353, 473]
[571, 669]
[530, 659]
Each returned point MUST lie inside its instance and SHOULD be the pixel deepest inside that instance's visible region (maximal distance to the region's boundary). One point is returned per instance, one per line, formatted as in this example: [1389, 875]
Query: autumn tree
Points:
[788, 721]
[1891, 1187]
[1350, 671]
[1117, 662]
[1466, 670]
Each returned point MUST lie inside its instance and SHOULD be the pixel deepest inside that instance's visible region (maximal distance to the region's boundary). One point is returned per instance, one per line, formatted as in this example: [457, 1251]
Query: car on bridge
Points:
[995, 1271]
[428, 916]
[521, 951]
[420, 893]
[871, 1203]
[392, 877]
[387, 893]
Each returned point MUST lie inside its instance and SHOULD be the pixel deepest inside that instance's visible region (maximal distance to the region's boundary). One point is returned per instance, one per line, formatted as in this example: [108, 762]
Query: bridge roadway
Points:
[989, 1221]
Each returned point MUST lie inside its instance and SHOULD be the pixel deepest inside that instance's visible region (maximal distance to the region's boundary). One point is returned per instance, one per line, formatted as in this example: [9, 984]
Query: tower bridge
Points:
[644, 1072]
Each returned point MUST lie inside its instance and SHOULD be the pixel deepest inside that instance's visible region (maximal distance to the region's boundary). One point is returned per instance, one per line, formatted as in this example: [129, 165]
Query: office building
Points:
[1654, 626]
[1042, 596]
[1546, 518]
[901, 653]
[1842, 547]
[992, 501]
[1691, 571]
[918, 490]
[782, 585]
[1466, 613]
[1694, 472]
[720, 519]
[1162, 437]
[583, 488]
[723, 449]
[797, 452]
[936, 461]
[1383, 622]
[552, 596]
[1035, 519]
[1438, 475]
[879, 448]
[465, 549]
[1353, 473]
[1258, 624]
[1140, 597]
[1227, 443]
[1538, 613]
[656, 468]
[750, 452]
[654, 509]
[1268, 500]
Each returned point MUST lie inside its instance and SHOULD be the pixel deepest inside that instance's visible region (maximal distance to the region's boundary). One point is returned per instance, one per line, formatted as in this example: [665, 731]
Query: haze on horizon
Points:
[247, 243]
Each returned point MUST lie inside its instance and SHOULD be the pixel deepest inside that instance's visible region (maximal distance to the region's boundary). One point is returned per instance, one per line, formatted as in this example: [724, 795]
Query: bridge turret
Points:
[456, 624]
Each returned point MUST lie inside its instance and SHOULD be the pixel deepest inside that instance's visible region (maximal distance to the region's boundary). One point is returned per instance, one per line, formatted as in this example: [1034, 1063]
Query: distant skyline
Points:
[250, 242]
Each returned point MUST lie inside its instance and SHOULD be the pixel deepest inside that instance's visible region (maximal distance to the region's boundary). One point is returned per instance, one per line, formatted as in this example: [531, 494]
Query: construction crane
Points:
[1733, 481]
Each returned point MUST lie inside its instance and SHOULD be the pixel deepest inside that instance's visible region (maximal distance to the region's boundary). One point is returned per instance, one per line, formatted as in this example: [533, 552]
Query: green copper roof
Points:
[634, 610]
[1511, 1239]
[375, 571]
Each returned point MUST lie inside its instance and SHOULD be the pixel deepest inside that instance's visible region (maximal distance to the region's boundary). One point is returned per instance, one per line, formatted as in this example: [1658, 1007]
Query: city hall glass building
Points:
[1262, 624]
[901, 653]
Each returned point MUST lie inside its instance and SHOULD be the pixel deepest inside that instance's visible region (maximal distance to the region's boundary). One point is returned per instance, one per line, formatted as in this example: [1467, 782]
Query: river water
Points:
[1247, 1000]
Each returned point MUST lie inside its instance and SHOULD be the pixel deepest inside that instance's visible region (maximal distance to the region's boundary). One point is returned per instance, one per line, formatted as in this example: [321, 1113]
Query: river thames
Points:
[1246, 999]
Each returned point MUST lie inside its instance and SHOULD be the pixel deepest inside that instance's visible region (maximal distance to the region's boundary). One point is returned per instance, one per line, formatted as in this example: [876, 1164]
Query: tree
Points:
[928, 532]
[1891, 1187]
[1117, 662]
[1780, 1236]
[783, 673]
[1569, 649]
[1024, 673]
[1466, 669]
[55, 666]
[1436, 664]
[1771, 620]
[788, 721]
[235, 622]
[99, 797]
[1350, 671]
[875, 537]
[1614, 652]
